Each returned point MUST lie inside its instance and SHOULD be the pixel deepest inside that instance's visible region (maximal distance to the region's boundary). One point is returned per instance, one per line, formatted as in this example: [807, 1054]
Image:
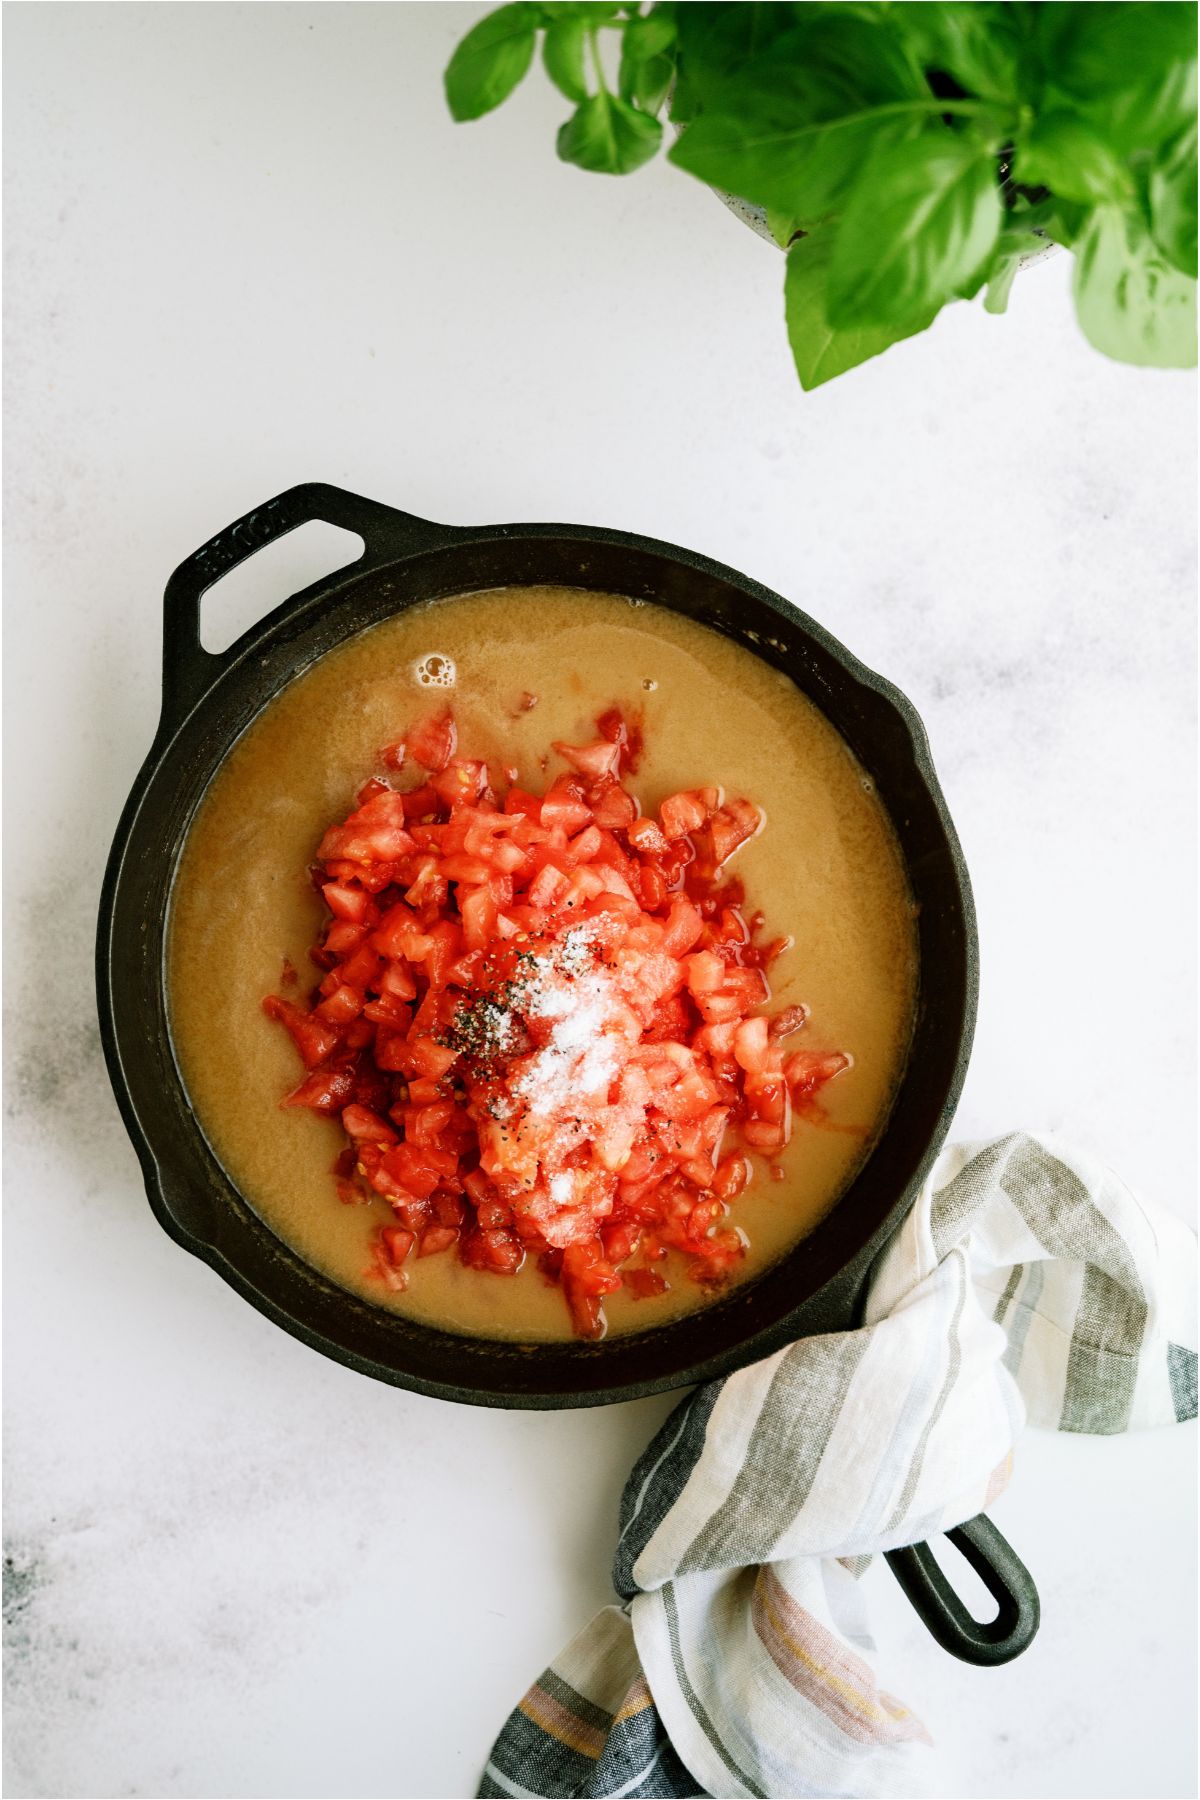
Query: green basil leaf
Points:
[1130, 302]
[647, 70]
[854, 61]
[491, 60]
[1131, 66]
[1067, 154]
[977, 43]
[578, 9]
[781, 225]
[1063, 220]
[1172, 196]
[972, 284]
[652, 82]
[1014, 244]
[609, 136]
[1094, 47]
[562, 53]
[794, 129]
[716, 41]
[1148, 114]
[921, 222]
[1000, 280]
[651, 34]
[820, 350]
[804, 169]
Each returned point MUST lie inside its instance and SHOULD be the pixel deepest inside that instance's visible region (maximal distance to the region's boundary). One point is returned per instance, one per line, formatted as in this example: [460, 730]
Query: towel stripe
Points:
[659, 1477]
[953, 1366]
[802, 1407]
[570, 1724]
[1181, 1371]
[1026, 1311]
[825, 1671]
[695, 1704]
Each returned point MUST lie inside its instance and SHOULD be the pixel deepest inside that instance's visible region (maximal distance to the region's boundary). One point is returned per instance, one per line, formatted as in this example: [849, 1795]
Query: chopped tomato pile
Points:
[539, 1020]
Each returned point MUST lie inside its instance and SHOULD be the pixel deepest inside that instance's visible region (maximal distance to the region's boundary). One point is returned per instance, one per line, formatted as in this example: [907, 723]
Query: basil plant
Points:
[904, 155]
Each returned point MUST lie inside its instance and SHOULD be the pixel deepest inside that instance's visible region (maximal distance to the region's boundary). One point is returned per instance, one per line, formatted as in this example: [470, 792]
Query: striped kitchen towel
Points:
[1026, 1283]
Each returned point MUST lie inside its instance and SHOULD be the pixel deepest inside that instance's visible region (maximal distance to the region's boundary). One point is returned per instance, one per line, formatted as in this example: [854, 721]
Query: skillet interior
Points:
[209, 701]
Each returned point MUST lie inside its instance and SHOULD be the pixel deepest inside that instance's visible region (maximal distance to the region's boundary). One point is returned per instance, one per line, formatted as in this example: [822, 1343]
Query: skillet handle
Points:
[943, 1613]
[189, 670]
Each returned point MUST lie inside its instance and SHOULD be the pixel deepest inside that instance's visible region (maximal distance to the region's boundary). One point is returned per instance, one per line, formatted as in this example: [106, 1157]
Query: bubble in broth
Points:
[435, 671]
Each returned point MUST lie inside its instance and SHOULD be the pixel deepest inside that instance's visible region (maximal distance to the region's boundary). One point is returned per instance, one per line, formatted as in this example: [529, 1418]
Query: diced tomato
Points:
[731, 1177]
[750, 1044]
[549, 886]
[422, 1124]
[520, 804]
[415, 1169]
[731, 825]
[388, 1011]
[432, 1059]
[397, 1243]
[342, 1005]
[324, 1091]
[652, 887]
[496, 1250]
[436, 1238]
[392, 1051]
[682, 927]
[586, 1277]
[448, 1209]
[429, 887]
[705, 973]
[479, 914]
[682, 814]
[375, 833]
[593, 760]
[565, 812]
[613, 807]
[366, 1127]
[314, 1038]
[584, 848]
[751, 983]
[645, 1283]
[421, 803]
[445, 946]
[346, 902]
[461, 783]
[625, 730]
[342, 937]
[807, 1070]
[362, 968]
[467, 930]
[620, 1241]
[784, 1023]
[433, 742]
[424, 1090]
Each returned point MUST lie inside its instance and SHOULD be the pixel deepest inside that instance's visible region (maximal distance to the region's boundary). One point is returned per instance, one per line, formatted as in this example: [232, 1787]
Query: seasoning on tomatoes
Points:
[539, 1021]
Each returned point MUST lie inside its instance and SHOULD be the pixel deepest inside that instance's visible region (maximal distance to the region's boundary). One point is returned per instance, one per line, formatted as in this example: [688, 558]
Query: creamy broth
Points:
[826, 869]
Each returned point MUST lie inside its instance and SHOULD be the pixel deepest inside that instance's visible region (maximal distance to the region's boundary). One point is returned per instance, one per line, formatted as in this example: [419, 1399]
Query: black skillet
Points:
[209, 700]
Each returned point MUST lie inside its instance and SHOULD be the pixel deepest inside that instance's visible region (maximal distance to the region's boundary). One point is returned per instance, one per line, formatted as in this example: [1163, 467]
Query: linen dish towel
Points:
[1026, 1284]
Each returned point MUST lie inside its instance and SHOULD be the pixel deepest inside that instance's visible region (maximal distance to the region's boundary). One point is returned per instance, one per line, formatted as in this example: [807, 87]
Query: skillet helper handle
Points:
[189, 670]
[943, 1613]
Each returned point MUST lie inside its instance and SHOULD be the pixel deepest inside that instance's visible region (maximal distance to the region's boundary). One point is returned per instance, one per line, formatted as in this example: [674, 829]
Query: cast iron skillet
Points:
[208, 701]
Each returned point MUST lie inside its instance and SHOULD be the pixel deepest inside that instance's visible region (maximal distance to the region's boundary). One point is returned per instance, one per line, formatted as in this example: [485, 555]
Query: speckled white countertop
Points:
[248, 248]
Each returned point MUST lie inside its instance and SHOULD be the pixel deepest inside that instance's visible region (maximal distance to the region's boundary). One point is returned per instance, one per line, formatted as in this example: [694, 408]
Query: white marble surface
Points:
[247, 248]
